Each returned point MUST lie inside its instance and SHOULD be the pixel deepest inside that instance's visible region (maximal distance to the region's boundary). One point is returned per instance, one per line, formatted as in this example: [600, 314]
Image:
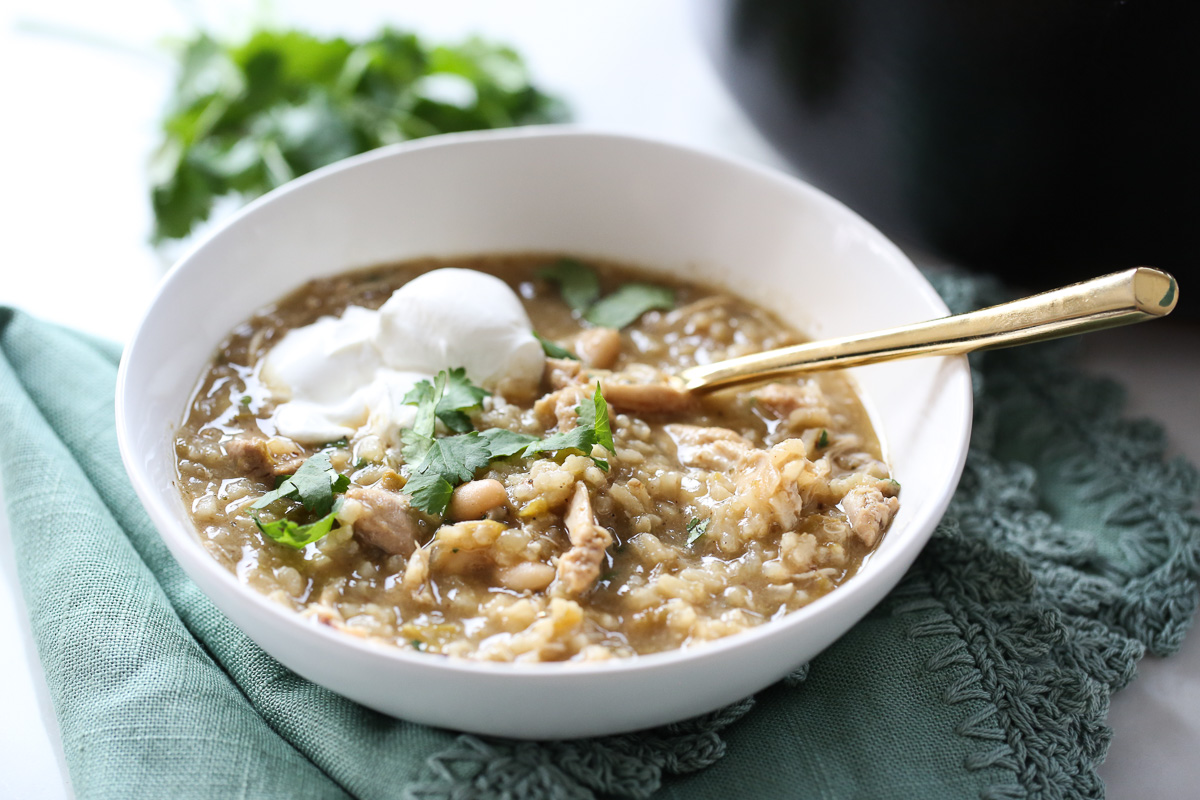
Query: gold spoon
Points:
[1118, 299]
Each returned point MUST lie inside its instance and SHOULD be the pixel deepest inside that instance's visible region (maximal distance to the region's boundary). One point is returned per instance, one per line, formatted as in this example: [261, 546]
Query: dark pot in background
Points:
[1045, 140]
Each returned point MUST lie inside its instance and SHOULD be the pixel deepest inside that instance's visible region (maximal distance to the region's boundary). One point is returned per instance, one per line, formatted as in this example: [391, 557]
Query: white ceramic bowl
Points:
[768, 237]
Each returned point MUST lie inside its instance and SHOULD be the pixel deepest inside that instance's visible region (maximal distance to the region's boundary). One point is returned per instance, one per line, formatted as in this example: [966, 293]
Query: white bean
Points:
[474, 499]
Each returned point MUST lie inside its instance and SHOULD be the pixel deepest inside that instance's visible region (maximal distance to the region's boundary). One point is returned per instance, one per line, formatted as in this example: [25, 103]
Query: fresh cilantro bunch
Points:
[436, 465]
[313, 486]
[580, 288]
[248, 117]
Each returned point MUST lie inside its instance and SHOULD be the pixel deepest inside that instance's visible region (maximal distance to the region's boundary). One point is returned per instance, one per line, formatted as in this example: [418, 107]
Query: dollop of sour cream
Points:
[346, 377]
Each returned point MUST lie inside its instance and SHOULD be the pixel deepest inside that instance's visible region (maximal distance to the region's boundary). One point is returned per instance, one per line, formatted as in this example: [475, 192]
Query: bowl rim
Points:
[177, 531]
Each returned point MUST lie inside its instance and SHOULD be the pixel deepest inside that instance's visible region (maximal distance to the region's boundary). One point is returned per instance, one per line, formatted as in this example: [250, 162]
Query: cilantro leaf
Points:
[580, 288]
[596, 409]
[414, 446]
[626, 304]
[436, 466]
[554, 350]
[823, 440]
[579, 284]
[313, 485]
[696, 528]
[447, 462]
[456, 457]
[429, 491]
[293, 534]
[593, 428]
[447, 398]
[502, 443]
[247, 116]
[460, 395]
[426, 396]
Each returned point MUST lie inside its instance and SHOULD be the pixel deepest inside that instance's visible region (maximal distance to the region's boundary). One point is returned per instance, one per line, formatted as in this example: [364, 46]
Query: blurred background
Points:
[1041, 145]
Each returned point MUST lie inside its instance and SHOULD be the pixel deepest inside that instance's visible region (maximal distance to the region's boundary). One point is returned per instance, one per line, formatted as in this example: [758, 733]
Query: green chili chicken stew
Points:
[484, 458]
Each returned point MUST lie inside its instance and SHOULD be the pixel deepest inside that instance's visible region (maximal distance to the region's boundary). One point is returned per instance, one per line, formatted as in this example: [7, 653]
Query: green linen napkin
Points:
[1070, 549]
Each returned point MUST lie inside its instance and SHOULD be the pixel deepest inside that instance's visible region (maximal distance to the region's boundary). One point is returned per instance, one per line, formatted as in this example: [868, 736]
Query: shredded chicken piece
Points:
[717, 449]
[563, 372]
[647, 398]
[579, 567]
[599, 347]
[252, 456]
[558, 407]
[869, 511]
[640, 391]
[386, 521]
[802, 405]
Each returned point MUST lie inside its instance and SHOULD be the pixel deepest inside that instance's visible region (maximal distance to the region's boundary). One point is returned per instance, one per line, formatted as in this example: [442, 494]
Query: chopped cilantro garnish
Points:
[503, 443]
[696, 529]
[553, 350]
[593, 428]
[580, 287]
[625, 305]
[578, 283]
[446, 463]
[823, 439]
[313, 486]
[457, 395]
[293, 534]
[436, 466]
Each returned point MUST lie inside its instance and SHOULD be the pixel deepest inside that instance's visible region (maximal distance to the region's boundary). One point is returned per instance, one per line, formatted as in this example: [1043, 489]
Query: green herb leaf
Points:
[246, 117]
[626, 304]
[502, 443]
[436, 466]
[593, 428]
[414, 446]
[446, 463]
[696, 528]
[456, 457]
[429, 491]
[313, 485]
[460, 395]
[823, 439]
[447, 398]
[426, 396]
[553, 350]
[578, 283]
[292, 534]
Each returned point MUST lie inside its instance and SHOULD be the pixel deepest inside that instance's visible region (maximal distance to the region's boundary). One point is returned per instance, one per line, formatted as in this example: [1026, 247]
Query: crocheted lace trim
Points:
[1042, 620]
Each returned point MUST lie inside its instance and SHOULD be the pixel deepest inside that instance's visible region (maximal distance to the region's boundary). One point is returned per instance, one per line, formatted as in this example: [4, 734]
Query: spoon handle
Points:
[1121, 298]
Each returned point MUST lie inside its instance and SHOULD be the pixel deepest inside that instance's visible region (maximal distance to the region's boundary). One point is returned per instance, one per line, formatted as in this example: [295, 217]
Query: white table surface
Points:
[79, 122]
